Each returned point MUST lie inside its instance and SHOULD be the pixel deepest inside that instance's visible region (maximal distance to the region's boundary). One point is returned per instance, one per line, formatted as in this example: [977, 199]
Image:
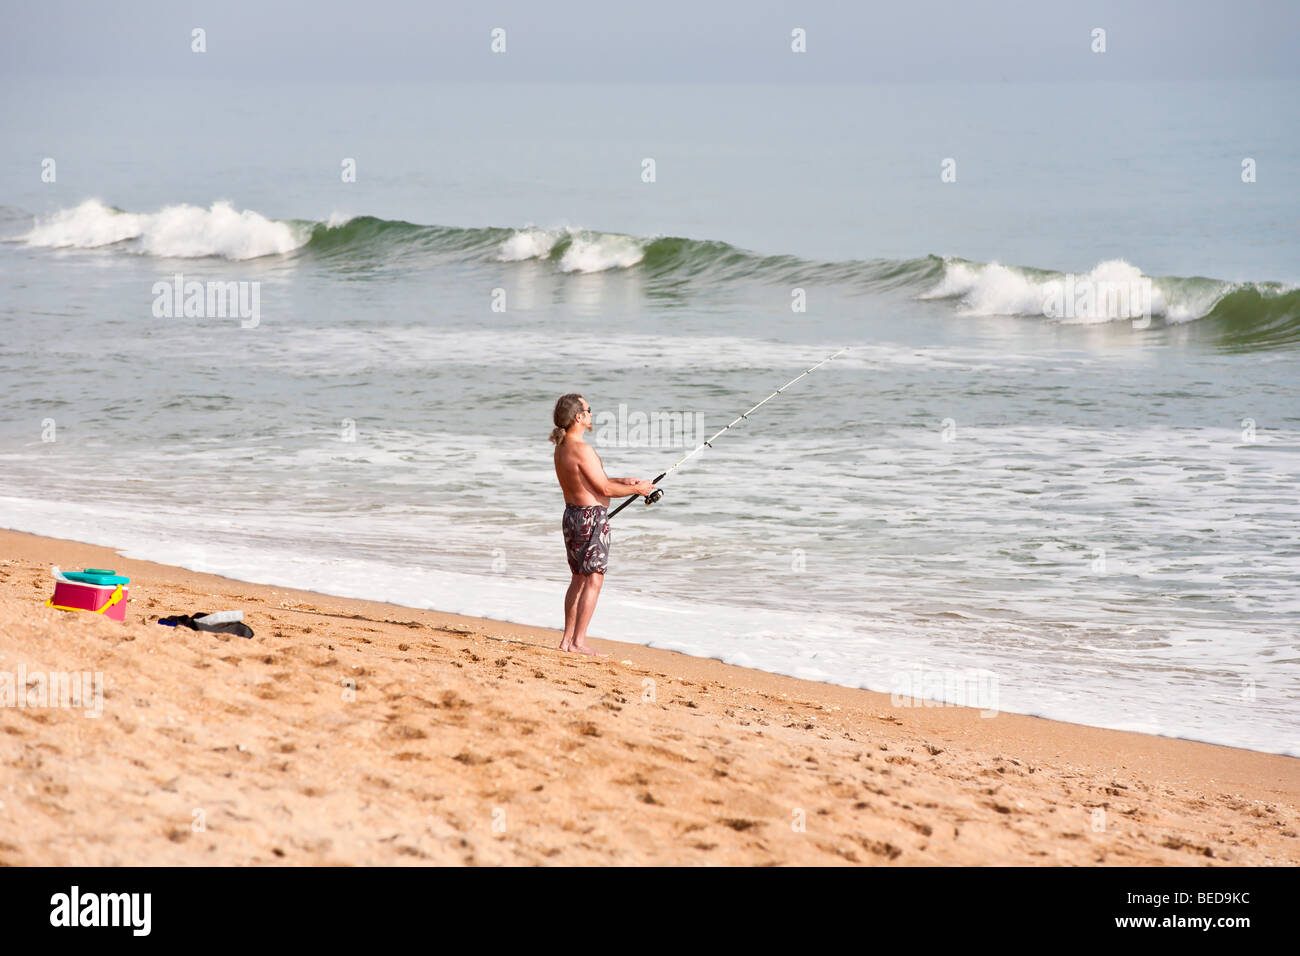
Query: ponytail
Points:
[567, 410]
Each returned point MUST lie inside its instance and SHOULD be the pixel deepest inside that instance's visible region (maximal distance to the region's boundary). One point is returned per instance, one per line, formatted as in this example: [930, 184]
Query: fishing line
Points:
[708, 443]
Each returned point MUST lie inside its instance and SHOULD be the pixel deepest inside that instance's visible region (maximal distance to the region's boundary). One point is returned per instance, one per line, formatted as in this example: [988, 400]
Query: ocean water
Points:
[1093, 509]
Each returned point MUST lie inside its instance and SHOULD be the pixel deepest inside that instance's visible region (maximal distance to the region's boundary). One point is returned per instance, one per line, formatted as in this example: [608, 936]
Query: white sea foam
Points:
[180, 231]
[587, 251]
[1111, 290]
[601, 252]
[528, 244]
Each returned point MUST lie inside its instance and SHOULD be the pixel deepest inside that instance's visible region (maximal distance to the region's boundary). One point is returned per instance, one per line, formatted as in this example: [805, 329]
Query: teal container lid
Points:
[96, 576]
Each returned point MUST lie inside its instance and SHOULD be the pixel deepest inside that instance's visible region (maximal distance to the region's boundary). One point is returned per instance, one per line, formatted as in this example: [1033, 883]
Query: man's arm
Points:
[593, 472]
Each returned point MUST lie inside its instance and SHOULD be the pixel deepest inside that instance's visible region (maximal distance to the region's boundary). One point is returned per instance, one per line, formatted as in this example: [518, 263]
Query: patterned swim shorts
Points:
[586, 538]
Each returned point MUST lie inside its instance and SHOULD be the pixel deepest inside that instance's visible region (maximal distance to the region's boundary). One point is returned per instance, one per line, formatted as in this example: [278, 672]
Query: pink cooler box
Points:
[107, 599]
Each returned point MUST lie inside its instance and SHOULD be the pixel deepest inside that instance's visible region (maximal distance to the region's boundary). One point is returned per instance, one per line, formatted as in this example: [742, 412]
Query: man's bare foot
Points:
[566, 645]
[584, 649]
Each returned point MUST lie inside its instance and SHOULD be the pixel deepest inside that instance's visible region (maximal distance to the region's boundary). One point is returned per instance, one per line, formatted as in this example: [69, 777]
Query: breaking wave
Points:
[1234, 315]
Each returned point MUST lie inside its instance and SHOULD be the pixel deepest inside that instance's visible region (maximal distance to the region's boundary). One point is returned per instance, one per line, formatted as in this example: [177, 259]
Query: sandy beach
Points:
[355, 733]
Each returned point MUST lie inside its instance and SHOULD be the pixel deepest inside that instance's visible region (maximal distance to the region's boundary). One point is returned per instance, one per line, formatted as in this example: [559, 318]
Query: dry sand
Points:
[474, 741]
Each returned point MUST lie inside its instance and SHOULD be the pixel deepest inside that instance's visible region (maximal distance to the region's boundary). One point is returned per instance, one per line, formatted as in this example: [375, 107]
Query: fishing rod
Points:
[659, 492]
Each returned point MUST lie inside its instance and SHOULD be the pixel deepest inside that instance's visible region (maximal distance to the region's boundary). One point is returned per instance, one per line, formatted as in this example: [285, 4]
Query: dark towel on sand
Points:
[238, 628]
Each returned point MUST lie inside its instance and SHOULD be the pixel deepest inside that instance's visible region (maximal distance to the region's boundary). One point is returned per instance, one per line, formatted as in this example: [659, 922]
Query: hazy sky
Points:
[612, 41]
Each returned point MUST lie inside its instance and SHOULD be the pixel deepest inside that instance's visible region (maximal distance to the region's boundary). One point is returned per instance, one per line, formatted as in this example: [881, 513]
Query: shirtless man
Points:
[587, 491]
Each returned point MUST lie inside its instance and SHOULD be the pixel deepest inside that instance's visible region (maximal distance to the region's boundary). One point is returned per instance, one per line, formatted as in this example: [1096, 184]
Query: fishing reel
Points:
[654, 496]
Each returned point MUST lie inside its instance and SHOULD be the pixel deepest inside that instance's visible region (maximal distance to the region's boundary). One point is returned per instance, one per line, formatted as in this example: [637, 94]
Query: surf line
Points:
[708, 442]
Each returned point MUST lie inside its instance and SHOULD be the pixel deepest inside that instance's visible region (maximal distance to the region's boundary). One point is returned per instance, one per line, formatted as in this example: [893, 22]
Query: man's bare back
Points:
[576, 466]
